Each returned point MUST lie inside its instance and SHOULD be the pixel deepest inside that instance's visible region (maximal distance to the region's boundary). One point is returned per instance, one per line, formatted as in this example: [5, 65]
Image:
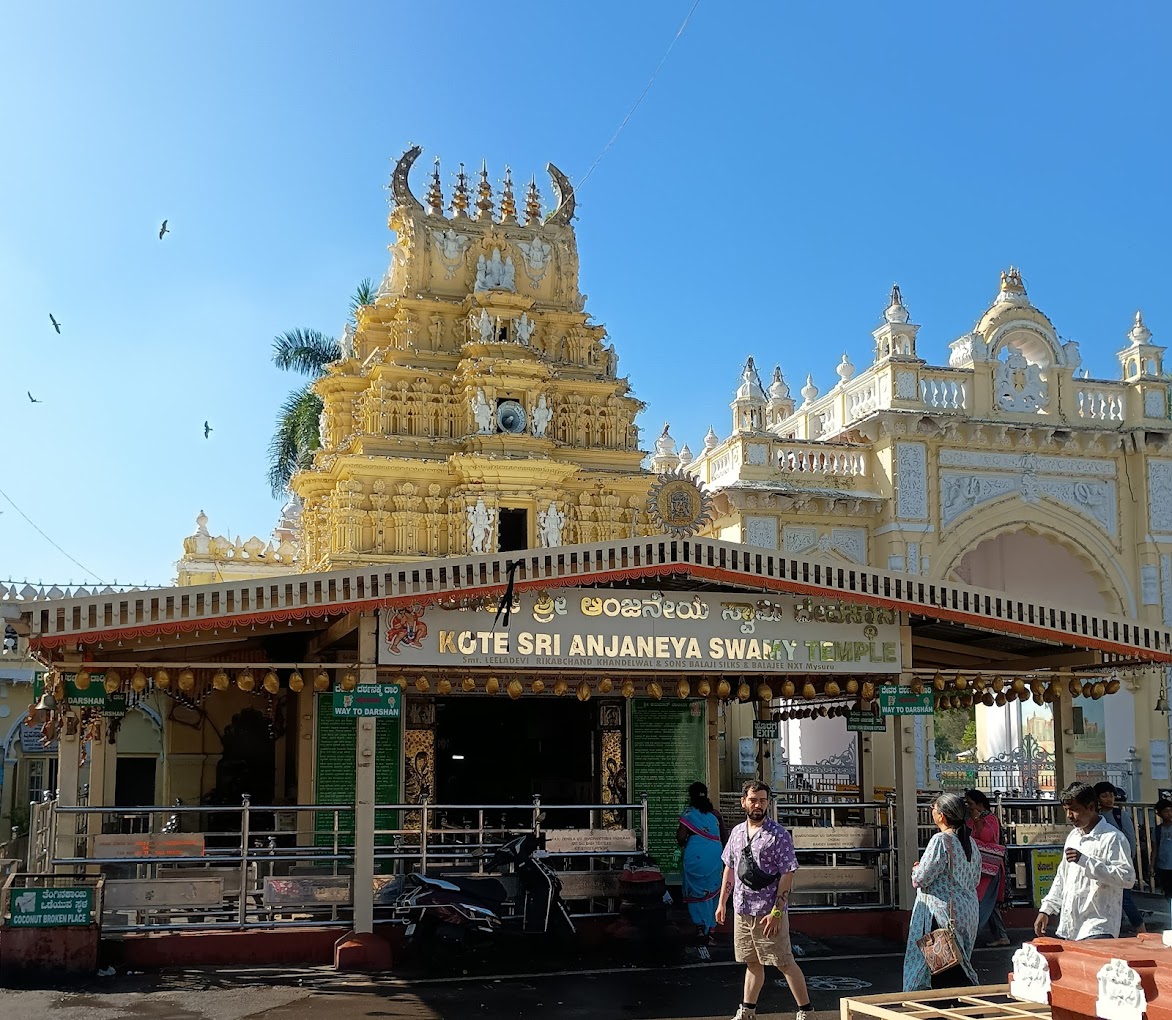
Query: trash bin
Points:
[50, 923]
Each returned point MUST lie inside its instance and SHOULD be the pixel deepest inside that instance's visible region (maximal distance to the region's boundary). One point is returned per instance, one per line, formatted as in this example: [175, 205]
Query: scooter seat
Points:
[488, 889]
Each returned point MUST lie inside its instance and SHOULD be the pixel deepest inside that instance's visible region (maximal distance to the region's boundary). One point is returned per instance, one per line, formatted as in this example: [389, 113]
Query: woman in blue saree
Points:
[701, 835]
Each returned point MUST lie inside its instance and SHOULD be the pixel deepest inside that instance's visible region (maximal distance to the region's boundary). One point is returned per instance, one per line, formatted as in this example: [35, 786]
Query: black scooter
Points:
[448, 917]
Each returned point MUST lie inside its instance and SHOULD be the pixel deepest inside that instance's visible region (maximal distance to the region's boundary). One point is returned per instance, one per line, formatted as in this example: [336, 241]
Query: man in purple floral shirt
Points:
[760, 918]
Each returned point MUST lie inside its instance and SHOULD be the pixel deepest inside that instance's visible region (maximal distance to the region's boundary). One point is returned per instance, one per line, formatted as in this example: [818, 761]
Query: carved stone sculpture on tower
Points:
[523, 329]
[482, 413]
[536, 256]
[480, 520]
[1018, 385]
[493, 273]
[550, 523]
[541, 415]
[484, 326]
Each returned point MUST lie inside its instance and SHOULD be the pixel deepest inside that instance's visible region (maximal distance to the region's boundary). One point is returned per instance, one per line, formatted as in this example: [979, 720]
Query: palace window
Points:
[42, 776]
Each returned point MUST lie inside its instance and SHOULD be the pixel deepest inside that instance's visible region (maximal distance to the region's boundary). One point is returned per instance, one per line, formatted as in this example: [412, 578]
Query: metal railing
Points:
[1040, 826]
[250, 866]
[844, 846]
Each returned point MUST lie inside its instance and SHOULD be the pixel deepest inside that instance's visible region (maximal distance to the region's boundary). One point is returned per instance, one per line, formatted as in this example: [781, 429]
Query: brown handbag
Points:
[940, 948]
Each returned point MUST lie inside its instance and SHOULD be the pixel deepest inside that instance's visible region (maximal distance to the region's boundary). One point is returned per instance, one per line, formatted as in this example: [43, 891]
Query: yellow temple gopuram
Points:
[992, 531]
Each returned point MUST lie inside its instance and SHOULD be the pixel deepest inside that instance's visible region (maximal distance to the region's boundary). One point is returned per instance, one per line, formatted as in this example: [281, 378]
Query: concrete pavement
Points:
[697, 990]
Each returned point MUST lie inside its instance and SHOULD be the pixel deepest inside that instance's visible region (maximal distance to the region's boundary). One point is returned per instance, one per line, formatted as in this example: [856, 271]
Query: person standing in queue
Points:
[701, 835]
[1095, 869]
[759, 868]
[1108, 794]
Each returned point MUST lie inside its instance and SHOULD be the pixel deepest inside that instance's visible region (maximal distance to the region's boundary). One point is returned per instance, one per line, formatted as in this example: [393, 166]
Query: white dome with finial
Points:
[778, 389]
[711, 440]
[1139, 333]
[844, 368]
[809, 391]
[750, 387]
[665, 446]
[896, 312]
[685, 456]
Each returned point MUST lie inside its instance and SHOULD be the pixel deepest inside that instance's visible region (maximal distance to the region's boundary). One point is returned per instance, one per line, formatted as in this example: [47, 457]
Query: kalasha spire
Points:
[533, 203]
[484, 190]
[508, 203]
[460, 195]
[435, 196]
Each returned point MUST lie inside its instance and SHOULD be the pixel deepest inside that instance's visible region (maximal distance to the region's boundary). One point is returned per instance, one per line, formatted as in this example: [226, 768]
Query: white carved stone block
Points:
[1160, 494]
[1121, 994]
[761, 531]
[911, 480]
[1030, 978]
[757, 453]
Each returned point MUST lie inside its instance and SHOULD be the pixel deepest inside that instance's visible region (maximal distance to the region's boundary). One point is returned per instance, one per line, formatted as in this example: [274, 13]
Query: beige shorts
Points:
[751, 946]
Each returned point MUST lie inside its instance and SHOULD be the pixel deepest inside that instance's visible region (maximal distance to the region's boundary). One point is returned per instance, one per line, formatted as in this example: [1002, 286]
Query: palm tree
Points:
[308, 352]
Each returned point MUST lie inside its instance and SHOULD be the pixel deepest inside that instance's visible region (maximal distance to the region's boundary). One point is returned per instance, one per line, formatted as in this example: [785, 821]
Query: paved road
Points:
[695, 991]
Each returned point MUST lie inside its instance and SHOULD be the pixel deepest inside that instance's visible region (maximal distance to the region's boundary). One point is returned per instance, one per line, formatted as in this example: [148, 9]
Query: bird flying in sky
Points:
[207, 430]
[33, 399]
[163, 230]
[56, 324]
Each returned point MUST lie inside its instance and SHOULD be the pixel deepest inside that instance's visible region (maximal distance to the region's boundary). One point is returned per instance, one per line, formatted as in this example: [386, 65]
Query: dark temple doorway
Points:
[490, 751]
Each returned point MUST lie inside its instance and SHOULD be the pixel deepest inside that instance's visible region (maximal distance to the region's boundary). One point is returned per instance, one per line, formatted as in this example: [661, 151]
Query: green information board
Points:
[377, 700]
[896, 700]
[337, 738]
[51, 908]
[668, 754]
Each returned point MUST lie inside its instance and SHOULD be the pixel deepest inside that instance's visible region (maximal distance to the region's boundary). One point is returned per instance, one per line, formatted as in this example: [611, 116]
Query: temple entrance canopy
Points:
[653, 685]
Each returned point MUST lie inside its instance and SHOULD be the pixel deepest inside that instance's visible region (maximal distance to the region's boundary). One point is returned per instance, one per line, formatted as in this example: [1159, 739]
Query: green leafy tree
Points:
[297, 434]
[956, 731]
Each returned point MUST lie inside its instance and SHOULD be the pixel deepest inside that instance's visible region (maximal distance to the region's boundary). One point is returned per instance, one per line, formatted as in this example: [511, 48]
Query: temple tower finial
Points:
[532, 203]
[484, 191]
[508, 203]
[460, 195]
[435, 195]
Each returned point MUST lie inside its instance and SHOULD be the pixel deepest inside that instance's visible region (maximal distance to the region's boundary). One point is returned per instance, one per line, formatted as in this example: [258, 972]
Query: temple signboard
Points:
[598, 628]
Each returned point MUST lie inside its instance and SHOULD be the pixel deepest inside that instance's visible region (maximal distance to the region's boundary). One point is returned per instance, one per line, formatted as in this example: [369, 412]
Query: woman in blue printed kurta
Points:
[945, 876]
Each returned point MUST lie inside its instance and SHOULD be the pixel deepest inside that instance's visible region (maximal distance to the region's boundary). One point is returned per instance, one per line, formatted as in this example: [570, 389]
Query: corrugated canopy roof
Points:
[957, 621]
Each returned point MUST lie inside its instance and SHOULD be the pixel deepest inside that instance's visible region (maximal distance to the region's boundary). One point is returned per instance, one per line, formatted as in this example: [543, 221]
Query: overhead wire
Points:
[646, 88]
[40, 532]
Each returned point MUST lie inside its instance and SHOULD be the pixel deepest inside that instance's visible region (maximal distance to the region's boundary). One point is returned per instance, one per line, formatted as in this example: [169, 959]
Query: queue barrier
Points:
[255, 866]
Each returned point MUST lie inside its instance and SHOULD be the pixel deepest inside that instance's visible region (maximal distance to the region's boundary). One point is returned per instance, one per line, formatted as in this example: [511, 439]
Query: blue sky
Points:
[790, 162]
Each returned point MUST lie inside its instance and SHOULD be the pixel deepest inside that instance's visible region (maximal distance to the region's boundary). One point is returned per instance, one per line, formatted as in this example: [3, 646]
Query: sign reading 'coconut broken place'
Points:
[596, 628]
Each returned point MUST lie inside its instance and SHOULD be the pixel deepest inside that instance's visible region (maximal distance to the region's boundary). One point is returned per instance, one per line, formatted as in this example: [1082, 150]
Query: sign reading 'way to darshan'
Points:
[597, 628]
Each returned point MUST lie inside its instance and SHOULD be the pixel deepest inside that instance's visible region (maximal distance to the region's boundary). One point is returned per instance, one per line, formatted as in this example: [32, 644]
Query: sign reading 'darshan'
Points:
[597, 628]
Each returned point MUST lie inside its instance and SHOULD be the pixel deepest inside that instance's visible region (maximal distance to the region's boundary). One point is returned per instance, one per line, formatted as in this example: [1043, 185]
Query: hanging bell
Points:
[654, 690]
[186, 680]
[605, 685]
[514, 689]
[162, 679]
[537, 686]
[683, 689]
[583, 691]
[628, 689]
[443, 687]
[296, 682]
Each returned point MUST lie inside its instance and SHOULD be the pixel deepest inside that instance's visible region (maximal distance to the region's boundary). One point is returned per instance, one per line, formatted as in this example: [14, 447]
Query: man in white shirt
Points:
[1095, 869]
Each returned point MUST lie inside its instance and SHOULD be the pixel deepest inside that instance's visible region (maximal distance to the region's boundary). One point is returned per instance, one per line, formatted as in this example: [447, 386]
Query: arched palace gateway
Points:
[480, 530]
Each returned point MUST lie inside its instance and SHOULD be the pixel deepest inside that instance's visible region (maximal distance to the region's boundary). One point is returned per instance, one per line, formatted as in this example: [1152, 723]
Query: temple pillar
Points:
[68, 785]
[1065, 765]
[903, 735]
[713, 778]
[364, 784]
[303, 705]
